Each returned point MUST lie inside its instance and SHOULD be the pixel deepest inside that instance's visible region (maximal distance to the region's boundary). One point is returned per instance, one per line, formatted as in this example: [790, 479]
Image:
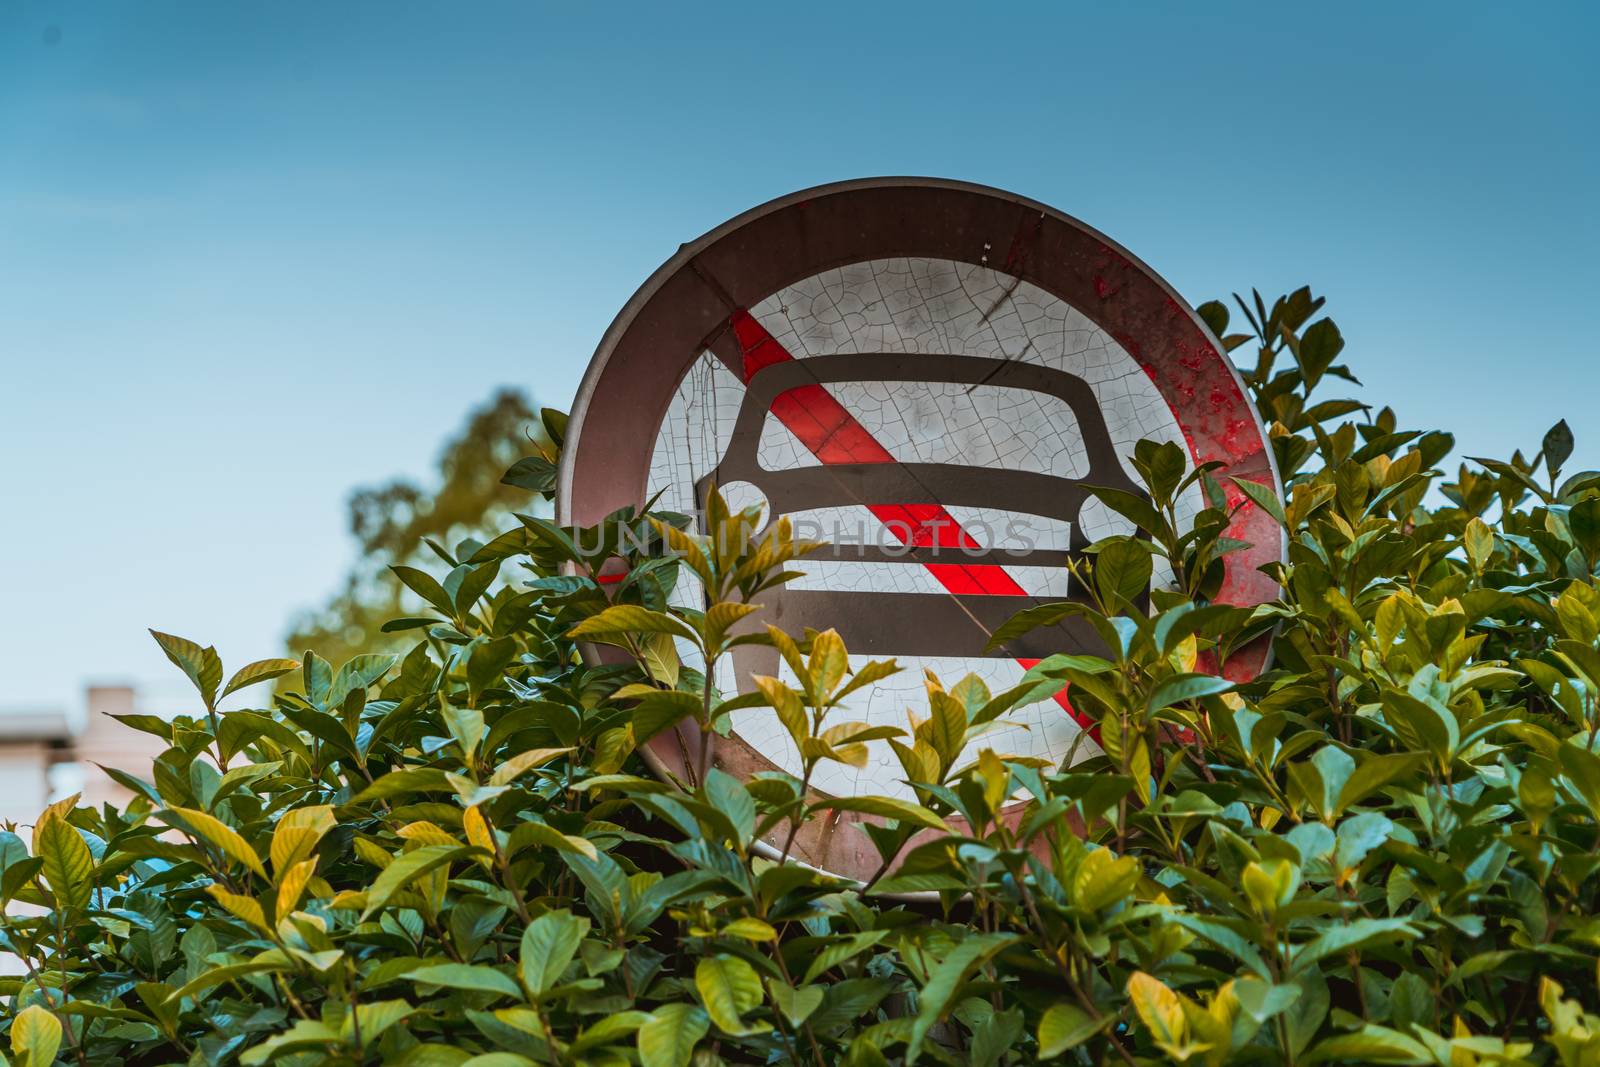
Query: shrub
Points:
[1381, 850]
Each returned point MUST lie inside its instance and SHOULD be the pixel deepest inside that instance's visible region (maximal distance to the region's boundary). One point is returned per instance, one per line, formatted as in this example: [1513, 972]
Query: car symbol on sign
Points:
[858, 471]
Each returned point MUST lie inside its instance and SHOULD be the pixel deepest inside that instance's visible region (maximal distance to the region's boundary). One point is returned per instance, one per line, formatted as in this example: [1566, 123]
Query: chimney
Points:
[109, 743]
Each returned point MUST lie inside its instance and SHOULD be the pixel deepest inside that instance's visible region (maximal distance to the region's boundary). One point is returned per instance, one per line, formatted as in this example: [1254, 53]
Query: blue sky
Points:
[253, 255]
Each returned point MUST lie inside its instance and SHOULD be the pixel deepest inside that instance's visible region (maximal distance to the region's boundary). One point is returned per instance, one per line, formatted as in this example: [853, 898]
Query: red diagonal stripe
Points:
[833, 435]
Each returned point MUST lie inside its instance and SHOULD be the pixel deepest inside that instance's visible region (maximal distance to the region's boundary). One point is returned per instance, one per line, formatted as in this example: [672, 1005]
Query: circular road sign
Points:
[924, 374]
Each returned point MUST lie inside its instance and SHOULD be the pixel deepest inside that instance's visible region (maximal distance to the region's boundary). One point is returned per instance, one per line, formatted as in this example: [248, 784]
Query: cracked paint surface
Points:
[933, 307]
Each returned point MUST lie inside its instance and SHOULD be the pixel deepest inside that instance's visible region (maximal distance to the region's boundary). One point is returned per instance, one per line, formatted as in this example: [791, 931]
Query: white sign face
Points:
[917, 307]
[926, 376]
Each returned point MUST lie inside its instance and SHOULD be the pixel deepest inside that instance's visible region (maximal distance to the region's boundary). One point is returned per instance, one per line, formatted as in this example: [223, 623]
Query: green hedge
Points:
[1380, 851]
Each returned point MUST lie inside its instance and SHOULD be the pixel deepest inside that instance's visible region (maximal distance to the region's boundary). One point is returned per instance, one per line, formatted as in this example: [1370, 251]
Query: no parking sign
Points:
[926, 375]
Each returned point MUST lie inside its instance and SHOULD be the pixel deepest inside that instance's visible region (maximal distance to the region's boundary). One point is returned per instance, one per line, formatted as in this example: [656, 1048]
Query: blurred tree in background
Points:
[394, 523]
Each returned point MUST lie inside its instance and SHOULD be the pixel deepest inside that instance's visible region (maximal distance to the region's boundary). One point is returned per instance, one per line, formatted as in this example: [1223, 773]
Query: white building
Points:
[45, 755]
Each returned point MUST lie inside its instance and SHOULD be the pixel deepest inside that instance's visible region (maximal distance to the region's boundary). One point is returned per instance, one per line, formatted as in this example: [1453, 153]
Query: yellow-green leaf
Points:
[1065, 1026]
[750, 928]
[524, 761]
[297, 834]
[246, 908]
[548, 946]
[292, 885]
[219, 834]
[1158, 1007]
[786, 702]
[669, 1038]
[202, 665]
[538, 833]
[36, 1032]
[630, 618]
[271, 960]
[723, 615]
[373, 1019]
[796, 1004]
[262, 670]
[465, 976]
[1102, 879]
[728, 987]
[828, 662]
[68, 864]
[406, 868]
[888, 808]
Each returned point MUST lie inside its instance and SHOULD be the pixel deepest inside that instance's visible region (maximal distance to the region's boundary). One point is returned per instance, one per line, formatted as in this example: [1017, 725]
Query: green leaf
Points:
[797, 1005]
[219, 834]
[1334, 767]
[427, 587]
[1066, 1026]
[728, 988]
[296, 835]
[534, 473]
[68, 863]
[538, 833]
[475, 582]
[266, 962]
[621, 619]
[522, 762]
[1030, 619]
[36, 1033]
[262, 670]
[1370, 1044]
[1158, 1007]
[304, 1035]
[1411, 1000]
[1182, 687]
[1557, 447]
[465, 725]
[1583, 769]
[407, 868]
[1122, 570]
[357, 675]
[1215, 315]
[729, 796]
[920, 882]
[316, 676]
[1102, 879]
[374, 1018]
[887, 807]
[1372, 774]
[946, 980]
[465, 976]
[1319, 346]
[1263, 497]
[548, 946]
[1583, 522]
[1131, 506]
[1347, 936]
[487, 662]
[1478, 540]
[607, 1029]
[200, 664]
[13, 863]
[828, 663]
[1422, 725]
[660, 710]
[1359, 835]
[405, 782]
[839, 951]
[669, 1038]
